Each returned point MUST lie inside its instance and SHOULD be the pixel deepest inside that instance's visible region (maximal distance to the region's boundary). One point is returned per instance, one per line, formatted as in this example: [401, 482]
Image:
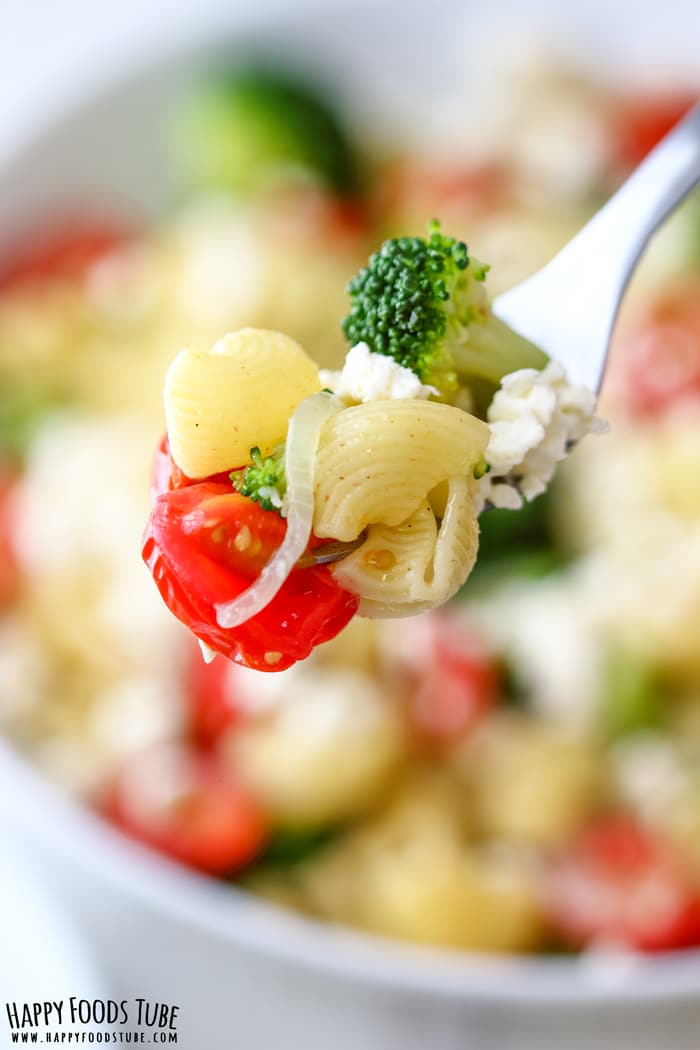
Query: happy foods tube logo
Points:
[91, 1021]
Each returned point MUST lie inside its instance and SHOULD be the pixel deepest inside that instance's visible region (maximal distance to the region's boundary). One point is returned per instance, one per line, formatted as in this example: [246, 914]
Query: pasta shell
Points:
[242, 393]
[377, 462]
[409, 568]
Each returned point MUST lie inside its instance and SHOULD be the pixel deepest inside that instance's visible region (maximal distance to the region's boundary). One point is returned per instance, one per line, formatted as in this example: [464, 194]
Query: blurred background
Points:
[434, 821]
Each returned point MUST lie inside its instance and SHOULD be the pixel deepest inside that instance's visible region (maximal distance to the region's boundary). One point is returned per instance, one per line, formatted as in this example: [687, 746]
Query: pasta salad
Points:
[387, 464]
[515, 771]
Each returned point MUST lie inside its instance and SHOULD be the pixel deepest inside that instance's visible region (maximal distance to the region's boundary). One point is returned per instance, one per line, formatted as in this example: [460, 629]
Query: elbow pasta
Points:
[398, 468]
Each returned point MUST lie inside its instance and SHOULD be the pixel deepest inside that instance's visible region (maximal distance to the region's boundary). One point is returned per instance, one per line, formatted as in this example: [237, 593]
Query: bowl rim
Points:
[31, 804]
[78, 837]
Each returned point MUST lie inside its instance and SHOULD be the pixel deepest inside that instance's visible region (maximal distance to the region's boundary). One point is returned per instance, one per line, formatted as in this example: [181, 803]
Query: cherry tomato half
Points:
[64, 250]
[9, 570]
[412, 188]
[166, 475]
[189, 806]
[211, 698]
[449, 679]
[641, 122]
[308, 213]
[205, 544]
[656, 363]
[621, 883]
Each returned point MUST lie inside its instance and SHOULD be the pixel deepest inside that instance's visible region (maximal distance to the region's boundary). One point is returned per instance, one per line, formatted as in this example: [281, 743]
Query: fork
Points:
[569, 307]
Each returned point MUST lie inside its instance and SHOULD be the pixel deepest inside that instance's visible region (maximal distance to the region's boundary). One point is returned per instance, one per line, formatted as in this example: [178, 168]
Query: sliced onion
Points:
[300, 454]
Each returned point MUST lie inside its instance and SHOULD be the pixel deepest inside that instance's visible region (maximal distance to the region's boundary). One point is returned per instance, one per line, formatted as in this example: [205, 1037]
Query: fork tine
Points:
[569, 307]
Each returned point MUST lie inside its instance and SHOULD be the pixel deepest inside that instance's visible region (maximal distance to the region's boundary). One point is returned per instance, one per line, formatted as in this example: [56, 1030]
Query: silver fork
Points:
[568, 308]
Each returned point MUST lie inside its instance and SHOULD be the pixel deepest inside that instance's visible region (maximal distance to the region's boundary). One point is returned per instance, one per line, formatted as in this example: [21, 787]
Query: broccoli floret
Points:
[631, 696]
[423, 302]
[254, 125]
[264, 479]
[23, 408]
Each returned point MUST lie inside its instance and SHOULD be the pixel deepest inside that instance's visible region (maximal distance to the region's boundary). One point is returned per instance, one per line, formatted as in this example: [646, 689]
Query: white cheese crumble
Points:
[222, 269]
[548, 629]
[367, 376]
[648, 775]
[535, 418]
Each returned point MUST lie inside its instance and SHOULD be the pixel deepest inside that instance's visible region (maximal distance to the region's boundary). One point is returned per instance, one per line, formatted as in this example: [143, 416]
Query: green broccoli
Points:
[255, 124]
[23, 408]
[264, 479]
[632, 697]
[423, 302]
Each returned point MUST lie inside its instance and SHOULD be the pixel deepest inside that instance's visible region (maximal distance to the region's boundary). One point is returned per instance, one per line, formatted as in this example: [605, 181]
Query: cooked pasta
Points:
[378, 462]
[287, 752]
[220, 404]
[409, 568]
[399, 467]
[458, 778]
[411, 872]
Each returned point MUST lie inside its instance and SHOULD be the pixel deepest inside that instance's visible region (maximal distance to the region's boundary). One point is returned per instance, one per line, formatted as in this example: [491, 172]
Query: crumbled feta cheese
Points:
[565, 149]
[535, 418]
[93, 475]
[79, 559]
[255, 694]
[373, 377]
[222, 270]
[135, 712]
[548, 630]
[549, 124]
[648, 775]
[634, 505]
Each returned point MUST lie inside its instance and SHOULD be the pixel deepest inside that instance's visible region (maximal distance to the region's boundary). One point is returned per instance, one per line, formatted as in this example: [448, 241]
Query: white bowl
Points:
[244, 973]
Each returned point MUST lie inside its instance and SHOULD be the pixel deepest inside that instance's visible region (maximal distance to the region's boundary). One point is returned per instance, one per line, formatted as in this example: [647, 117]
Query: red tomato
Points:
[657, 361]
[65, 250]
[621, 883]
[450, 679]
[189, 806]
[416, 189]
[9, 573]
[9, 570]
[167, 476]
[641, 123]
[205, 544]
[211, 698]
[308, 213]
